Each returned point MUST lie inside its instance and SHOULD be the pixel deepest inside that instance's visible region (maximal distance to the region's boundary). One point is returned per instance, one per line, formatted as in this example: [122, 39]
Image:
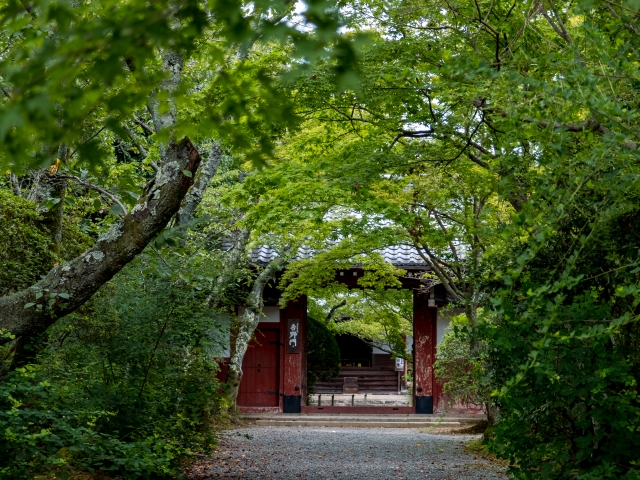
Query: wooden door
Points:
[261, 371]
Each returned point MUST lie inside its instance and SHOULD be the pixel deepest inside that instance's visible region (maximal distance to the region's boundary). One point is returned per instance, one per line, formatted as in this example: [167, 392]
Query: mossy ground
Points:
[478, 448]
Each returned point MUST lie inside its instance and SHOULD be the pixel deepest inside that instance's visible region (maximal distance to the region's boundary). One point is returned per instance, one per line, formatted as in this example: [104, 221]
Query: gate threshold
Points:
[358, 409]
[362, 421]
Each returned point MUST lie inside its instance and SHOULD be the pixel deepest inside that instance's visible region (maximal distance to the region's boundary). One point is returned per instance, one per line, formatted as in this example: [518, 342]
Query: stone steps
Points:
[345, 424]
[363, 421]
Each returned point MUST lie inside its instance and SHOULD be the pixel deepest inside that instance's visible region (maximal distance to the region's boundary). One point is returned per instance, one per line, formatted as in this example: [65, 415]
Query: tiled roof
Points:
[404, 256]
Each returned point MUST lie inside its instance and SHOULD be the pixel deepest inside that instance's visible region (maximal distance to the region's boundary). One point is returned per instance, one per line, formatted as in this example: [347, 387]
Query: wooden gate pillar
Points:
[294, 338]
[424, 344]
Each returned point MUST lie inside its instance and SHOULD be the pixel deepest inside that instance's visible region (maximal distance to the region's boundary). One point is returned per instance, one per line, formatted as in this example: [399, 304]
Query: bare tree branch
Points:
[15, 184]
[446, 281]
[101, 190]
[587, 125]
[136, 142]
[28, 313]
[559, 27]
[452, 247]
[438, 262]
[332, 311]
[144, 125]
[476, 160]
[94, 135]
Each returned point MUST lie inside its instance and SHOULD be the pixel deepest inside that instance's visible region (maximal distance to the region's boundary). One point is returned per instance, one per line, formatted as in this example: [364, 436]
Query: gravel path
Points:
[351, 453]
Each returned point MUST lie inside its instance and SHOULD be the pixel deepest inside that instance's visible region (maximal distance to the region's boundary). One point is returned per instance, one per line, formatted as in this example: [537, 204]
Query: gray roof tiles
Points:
[398, 255]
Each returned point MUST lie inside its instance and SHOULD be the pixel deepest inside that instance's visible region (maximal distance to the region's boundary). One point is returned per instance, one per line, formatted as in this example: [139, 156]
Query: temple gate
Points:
[275, 369]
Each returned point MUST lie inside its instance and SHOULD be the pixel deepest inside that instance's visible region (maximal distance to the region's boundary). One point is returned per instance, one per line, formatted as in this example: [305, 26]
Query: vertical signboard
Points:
[293, 335]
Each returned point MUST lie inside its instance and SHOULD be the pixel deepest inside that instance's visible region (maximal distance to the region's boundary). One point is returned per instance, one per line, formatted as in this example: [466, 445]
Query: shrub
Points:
[126, 384]
[460, 366]
[42, 431]
[29, 254]
[569, 401]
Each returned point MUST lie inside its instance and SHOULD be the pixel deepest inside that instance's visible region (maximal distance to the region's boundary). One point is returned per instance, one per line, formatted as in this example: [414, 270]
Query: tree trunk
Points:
[65, 288]
[492, 416]
[58, 217]
[39, 187]
[164, 118]
[196, 194]
[230, 265]
[247, 324]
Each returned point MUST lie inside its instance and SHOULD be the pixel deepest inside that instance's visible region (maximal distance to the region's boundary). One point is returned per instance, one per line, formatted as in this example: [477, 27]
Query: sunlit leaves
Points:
[69, 70]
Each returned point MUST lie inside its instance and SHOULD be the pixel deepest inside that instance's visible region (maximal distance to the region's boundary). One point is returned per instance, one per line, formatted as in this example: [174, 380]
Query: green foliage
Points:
[460, 365]
[478, 447]
[29, 253]
[585, 414]
[502, 138]
[126, 384]
[43, 431]
[323, 353]
[318, 275]
[51, 100]
[499, 139]
[565, 323]
[380, 317]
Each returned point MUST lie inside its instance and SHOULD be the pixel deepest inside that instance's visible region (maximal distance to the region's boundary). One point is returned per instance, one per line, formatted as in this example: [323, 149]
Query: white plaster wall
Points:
[377, 350]
[443, 321]
[409, 344]
[271, 314]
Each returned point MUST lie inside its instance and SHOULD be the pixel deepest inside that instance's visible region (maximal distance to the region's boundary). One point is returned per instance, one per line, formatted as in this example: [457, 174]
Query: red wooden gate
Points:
[261, 371]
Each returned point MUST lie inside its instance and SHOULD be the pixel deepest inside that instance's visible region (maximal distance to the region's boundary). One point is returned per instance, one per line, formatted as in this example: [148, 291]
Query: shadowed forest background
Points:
[149, 147]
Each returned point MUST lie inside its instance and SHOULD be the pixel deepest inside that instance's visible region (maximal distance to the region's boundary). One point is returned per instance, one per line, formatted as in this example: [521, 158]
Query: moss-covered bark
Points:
[31, 311]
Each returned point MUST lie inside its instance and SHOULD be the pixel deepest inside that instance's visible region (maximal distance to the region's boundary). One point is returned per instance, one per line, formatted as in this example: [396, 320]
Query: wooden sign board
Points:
[350, 385]
[292, 338]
